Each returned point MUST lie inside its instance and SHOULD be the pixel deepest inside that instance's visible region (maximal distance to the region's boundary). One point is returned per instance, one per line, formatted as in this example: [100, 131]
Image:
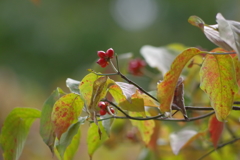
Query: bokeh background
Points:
[44, 42]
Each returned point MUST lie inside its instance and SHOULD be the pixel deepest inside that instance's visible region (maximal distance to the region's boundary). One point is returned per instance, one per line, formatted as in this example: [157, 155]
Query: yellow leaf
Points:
[165, 89]
[218, 80]
[146, 128]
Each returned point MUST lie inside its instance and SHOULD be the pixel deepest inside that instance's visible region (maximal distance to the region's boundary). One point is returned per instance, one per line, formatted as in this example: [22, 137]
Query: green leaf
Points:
[69, 142]
[73, 85]
[86, 88]
[165, 89]
[46, 125]
[218, 80]
[229, 31]
[65, 112]
[107, 123]
[126, 98]
[146, 128]
[15, 130]
[93, 138]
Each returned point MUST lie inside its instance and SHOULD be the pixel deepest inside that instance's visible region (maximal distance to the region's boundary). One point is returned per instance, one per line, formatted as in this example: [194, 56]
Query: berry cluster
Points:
[103, 108]
[135, 66]
[104, 57]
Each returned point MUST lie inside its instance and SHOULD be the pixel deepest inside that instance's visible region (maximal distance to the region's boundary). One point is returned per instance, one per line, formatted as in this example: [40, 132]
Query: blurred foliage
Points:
[42, 43]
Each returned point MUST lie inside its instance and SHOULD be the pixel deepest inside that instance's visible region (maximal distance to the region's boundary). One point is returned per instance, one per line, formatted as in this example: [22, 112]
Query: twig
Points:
[128, 80]
[208, 108]
[158, 117]
[218, 147]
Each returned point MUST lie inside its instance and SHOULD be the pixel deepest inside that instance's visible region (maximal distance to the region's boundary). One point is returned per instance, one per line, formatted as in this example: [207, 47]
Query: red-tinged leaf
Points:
[178, 98]
[146, 128]
[215, 129]
[15, 131]
[46, 125]
[165, 89]
[218, 80]
[181, 138]
[134, 103]
[66, 112]
[93, 138]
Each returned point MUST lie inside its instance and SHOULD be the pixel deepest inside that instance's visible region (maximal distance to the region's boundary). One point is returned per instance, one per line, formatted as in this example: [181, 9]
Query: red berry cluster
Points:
[135, 66]
[104, 57]
[103, 108]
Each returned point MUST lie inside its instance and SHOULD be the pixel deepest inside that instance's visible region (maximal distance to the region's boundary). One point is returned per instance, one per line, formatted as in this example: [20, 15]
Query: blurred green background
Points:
[44, 42]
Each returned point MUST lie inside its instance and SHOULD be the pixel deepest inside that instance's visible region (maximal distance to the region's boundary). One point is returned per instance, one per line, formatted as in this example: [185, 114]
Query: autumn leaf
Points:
[146, 128]
[66, 112]
[218, 80]
[86, 87]
[15, 131]
[165, 89]
[178, 98]
[93, 138]
[126, 98]
[215, 129]
[99, 91]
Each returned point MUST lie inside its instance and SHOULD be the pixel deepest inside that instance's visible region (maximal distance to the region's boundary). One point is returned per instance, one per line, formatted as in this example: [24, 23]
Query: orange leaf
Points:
[218, 80]
[215, 129]
[167, 87]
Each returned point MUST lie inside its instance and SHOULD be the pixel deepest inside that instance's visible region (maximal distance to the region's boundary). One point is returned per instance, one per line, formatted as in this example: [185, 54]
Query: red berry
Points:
[102, 112]
[102, 62]
[102, 105]
[110, 53]
[112, 110]
[101, 54]
[135, 66]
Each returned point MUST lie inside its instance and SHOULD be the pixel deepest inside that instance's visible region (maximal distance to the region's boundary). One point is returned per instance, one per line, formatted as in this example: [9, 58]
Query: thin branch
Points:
[236, 102]
[128, 80]
[133, 83]
[207, 108]
[158, 117]
[216, 53]
[130, 117]
[218, 147]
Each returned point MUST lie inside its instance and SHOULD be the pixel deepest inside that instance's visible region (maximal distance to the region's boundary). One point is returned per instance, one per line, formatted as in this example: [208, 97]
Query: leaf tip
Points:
[196, 21]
